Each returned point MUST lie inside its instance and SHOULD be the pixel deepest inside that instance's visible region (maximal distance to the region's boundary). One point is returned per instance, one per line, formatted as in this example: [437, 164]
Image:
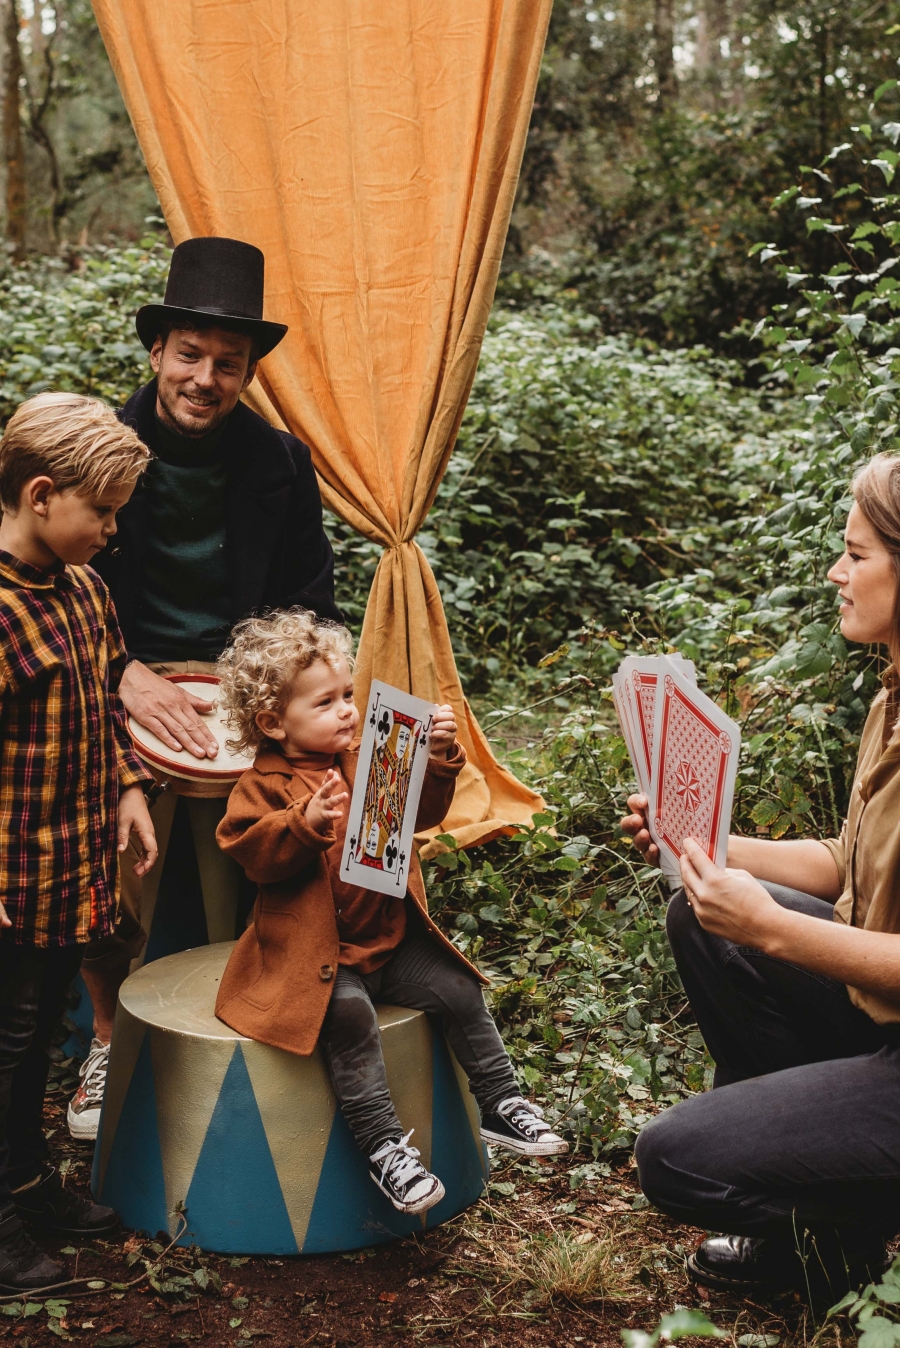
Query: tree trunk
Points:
[13, 149]
[663, 59]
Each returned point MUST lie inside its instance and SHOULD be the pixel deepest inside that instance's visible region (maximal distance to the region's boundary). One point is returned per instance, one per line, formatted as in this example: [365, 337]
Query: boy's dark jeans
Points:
[34, 983]
[422, 975]
[803, 1126]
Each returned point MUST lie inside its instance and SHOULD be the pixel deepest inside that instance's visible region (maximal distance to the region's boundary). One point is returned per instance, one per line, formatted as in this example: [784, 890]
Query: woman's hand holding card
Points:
[728, 903]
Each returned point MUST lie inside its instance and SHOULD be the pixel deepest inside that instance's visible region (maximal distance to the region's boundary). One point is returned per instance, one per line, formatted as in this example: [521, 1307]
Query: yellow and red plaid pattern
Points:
[65, 752]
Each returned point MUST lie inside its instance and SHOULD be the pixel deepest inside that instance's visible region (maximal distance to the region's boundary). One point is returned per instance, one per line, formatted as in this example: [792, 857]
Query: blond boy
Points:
[70, 785]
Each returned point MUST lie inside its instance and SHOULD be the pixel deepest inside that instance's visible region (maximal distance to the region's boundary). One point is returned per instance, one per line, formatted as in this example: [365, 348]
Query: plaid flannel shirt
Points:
[65, 753]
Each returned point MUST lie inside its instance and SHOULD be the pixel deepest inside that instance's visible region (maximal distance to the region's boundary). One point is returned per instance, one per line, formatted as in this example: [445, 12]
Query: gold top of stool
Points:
[178, 994]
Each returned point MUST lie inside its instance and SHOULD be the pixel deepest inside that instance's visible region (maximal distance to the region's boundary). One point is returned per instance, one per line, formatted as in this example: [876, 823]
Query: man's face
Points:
[200, 376]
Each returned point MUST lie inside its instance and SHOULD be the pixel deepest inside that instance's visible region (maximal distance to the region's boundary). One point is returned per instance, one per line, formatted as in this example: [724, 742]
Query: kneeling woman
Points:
[791, 960]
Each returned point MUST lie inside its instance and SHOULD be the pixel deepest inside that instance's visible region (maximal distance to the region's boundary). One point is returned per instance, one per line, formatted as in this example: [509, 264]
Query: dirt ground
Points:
[533, 1265]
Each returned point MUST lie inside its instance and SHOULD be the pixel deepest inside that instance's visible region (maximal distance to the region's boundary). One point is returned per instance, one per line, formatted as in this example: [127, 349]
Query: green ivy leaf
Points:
[880, 1333]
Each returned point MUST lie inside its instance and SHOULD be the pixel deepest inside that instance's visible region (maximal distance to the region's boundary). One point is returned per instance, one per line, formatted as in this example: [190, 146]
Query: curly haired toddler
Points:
[320, 951]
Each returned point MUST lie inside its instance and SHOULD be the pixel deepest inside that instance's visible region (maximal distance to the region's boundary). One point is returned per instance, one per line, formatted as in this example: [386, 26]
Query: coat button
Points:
[326, 973]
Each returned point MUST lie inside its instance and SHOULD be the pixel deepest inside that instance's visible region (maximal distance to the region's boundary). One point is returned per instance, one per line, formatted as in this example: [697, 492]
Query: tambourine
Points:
[185, 773]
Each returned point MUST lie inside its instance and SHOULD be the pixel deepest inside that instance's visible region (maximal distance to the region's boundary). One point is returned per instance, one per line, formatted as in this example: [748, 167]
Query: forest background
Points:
[692, 345]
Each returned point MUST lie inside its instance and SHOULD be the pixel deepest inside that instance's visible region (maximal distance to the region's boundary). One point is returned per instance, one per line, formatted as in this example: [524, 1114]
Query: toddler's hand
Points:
[328, 802]
[443, 732]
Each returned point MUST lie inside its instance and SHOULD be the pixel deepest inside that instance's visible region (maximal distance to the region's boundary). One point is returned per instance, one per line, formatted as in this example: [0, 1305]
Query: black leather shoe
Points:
[49, 1207]
[735, 1263]
[23, 1267]
[833, 1262]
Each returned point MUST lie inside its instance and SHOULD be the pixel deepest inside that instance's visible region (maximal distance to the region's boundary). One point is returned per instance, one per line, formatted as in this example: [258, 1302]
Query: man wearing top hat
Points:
[228, 520]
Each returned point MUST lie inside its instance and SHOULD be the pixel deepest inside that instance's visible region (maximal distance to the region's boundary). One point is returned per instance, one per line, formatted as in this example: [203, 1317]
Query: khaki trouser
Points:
[219, 875]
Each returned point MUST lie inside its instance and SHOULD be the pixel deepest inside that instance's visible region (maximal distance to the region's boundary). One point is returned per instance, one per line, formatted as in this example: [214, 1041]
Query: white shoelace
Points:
[523, 1114]
[401, 1164]
[93, 1074]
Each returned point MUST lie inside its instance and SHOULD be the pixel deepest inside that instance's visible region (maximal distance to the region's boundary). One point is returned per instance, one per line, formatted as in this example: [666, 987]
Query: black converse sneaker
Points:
[401, 1175]
[519, 1126]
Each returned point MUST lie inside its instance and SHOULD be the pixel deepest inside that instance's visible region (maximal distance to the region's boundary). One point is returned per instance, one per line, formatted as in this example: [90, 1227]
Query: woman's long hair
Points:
[876, 490]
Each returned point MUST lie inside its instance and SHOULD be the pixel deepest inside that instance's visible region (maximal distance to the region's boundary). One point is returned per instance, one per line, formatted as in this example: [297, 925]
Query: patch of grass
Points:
[545, 1268]
[561, 1266]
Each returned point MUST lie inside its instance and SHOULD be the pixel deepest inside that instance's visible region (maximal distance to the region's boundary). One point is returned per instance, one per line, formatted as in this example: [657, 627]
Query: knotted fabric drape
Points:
[371, 149]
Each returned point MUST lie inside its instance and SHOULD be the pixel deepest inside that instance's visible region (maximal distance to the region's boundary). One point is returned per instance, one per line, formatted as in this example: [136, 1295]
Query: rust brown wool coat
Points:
[278, 981]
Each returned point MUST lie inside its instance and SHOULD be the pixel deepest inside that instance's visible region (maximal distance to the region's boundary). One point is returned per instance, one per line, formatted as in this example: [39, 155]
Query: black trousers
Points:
[34, 984]
[802, 1128]
[420, 974]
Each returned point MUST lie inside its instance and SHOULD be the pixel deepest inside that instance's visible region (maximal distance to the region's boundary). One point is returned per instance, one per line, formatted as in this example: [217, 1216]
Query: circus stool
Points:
[248, 1139]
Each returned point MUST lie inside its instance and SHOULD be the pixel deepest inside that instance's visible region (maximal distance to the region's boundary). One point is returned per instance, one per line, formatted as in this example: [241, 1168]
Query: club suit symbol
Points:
[384, 724]
[390, 855]
[374, 711]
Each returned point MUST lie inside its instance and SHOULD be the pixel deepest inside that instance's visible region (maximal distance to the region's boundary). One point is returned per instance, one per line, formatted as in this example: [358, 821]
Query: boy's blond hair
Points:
[78, 442]
[265, 656]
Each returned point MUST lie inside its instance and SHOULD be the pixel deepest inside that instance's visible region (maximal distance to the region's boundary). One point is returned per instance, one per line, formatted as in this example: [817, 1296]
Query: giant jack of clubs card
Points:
[393, 755]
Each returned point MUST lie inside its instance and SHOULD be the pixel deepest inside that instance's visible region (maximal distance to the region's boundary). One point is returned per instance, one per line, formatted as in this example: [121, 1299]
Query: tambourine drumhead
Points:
[225, 767]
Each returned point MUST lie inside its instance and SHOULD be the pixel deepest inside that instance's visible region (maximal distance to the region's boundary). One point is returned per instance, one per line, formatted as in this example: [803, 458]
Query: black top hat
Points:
[214, 278]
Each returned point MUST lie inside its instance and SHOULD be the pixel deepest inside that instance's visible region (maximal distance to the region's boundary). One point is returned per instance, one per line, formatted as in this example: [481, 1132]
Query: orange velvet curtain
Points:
[371, 149]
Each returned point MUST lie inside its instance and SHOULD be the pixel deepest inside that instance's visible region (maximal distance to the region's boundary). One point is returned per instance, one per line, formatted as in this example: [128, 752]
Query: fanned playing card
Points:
[393, 755]
[695, 761]
[623, 712]
[639, 678]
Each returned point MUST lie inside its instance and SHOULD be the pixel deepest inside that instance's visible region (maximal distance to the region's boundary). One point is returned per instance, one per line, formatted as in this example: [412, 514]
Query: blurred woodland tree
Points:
[73, 166]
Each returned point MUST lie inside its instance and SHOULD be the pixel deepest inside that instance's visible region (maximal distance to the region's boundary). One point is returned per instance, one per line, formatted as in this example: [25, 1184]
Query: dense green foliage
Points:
[72, 327]
[588, 467]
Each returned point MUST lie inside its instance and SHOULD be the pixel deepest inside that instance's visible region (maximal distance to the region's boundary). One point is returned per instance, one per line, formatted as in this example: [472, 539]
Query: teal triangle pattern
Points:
[349, 1211]
[456, 1158]
[234, 1203]
[133, 1183]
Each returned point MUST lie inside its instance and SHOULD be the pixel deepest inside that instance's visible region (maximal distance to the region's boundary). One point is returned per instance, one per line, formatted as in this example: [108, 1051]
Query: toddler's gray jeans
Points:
[419, 974]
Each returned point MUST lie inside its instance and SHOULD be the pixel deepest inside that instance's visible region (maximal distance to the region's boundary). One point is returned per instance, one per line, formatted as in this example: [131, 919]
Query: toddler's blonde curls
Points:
[259, 666]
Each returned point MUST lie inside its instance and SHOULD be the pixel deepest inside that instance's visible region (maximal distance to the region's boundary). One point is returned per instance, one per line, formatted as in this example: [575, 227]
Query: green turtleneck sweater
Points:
[184, 611]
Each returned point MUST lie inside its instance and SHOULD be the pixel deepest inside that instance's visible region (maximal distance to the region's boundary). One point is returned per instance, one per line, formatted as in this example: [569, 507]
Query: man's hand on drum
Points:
[166, 709]
[635, 824]
[728, 903]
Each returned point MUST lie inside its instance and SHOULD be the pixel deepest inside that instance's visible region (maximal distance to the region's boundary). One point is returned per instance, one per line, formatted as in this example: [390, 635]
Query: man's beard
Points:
[187, 426]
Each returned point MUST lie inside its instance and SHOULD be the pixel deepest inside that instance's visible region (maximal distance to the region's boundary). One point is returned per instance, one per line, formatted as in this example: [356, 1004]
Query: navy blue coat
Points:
[277, 553]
